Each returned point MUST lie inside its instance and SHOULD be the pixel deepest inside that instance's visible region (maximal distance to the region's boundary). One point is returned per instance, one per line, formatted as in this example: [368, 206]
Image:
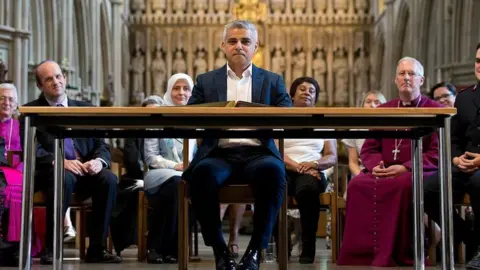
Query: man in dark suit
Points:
[465, 168]
[87, 169]
[256, 162]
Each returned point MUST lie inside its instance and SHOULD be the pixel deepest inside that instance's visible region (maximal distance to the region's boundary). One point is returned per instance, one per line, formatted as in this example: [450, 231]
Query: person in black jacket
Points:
[465, 168]
[87, 168]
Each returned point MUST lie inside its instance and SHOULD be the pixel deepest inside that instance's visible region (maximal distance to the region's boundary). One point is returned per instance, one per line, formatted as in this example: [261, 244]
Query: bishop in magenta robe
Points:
[379, 211]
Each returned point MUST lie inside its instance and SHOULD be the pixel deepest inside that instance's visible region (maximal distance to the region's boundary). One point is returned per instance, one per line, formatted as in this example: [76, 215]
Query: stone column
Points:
[96, 82]
[17, 47]
[117, 52]
[389, 64]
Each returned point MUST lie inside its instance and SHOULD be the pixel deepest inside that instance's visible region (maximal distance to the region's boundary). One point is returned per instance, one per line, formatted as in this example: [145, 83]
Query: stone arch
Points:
[400, 31]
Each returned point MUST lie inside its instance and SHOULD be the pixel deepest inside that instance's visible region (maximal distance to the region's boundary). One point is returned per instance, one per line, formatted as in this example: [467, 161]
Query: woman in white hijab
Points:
[179, 90]
[164, 158]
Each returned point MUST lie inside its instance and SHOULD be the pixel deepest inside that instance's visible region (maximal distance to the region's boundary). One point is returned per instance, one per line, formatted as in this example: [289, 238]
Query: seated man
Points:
[86, 169]
[378, 228]
[253, 161]
[465, 169]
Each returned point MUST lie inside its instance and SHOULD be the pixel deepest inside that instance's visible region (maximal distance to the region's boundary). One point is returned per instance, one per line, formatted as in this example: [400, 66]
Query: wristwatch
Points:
[316, 163]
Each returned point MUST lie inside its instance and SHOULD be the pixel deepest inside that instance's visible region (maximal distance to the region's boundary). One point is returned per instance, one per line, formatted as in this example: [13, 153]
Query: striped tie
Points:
[68, 145]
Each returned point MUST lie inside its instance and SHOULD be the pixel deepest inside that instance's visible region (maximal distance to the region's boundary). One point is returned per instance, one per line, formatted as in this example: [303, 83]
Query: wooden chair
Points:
[228, 194]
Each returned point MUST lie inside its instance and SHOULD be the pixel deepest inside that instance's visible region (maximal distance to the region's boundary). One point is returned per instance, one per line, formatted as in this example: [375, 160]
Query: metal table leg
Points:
[58, 205]
[27, 195]
[417, 172]
[446, 200]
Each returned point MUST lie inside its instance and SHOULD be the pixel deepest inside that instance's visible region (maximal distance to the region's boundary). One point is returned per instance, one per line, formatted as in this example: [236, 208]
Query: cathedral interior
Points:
[116, 52]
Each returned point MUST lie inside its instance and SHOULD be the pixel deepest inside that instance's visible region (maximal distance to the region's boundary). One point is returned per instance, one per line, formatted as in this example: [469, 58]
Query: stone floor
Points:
[322, 262]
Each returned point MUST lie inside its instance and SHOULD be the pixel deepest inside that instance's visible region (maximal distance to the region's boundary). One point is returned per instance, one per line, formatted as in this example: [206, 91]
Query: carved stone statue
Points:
[220, 61]
[3, 71]
[361, 5]
[341, 6]
[277, 6]
[299, 64]
[138, 6]
[200, 64]
[159, 5]
[179, 6]
[159, 73]
[278, 62]
[319, 66]
[200, 6]
[320, 5]
[108, 92]
[221, 6]
[340, 69]
[299, 6]
[179, 65]
[138, 69]
[361, 68]
[252, 10]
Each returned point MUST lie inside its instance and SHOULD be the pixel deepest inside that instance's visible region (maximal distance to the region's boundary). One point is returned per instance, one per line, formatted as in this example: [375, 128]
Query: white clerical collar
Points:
[246, 73]
[54, 104]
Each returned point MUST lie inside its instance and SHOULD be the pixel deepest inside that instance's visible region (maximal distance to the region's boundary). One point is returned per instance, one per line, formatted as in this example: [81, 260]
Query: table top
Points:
[237, 122]
[242, 111]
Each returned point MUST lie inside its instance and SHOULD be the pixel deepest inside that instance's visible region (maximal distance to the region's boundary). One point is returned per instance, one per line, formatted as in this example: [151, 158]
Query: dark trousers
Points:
[306, 189]
[253, 165]
[461, 183]
[163, 218]
[101, 188]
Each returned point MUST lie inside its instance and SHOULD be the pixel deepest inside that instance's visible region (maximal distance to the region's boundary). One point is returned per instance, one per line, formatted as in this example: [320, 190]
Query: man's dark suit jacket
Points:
[466, 123]
[267, 88]
[87, 148]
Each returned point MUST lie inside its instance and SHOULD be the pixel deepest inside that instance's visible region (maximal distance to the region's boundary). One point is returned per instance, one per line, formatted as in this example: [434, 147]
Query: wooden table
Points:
[200, 122]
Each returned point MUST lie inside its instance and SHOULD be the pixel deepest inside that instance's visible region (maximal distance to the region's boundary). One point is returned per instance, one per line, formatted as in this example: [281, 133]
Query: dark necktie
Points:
[68, 146]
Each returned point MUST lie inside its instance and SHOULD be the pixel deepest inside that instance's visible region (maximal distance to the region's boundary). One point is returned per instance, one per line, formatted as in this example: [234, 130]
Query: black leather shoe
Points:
[224, 260]
[47, 257]
[153, 257]
[102, 256]
[474, 263]
[308, 253]
[169, 259]
[250, 260]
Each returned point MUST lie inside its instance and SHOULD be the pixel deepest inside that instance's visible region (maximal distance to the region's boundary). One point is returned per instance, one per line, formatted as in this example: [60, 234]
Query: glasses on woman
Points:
[446, 95]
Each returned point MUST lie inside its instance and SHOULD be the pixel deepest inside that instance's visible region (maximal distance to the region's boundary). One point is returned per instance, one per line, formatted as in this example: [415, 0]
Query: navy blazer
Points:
[267, 88]
[466, 123]
[87, 148]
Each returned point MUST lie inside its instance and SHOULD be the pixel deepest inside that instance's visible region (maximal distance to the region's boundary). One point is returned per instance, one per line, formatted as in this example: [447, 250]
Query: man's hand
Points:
[380, 171]
[468, 162]
[178, 167]
[75, 166]
[314, 173]
[93, 166]
[303, 167]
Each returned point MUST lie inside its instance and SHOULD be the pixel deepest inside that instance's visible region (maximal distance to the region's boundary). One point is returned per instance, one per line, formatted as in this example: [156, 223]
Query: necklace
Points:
[396, 151]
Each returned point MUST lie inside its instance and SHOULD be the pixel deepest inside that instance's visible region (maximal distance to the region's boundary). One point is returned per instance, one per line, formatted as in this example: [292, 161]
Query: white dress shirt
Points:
[239, 90]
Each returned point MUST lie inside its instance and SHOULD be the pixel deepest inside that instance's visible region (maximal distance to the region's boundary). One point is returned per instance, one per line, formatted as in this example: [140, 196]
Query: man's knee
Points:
[108, 178]
[208, 174]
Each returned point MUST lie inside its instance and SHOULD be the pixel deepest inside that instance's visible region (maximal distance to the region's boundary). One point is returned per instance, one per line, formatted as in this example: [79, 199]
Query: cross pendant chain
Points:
[395, 152]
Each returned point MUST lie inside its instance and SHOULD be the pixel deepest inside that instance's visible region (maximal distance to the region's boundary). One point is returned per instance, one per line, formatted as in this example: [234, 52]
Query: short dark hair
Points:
[478, 46]
[448, 85]
[300, 80]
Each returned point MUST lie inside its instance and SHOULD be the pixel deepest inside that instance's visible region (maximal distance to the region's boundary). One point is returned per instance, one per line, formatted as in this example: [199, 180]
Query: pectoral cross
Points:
[395, 152]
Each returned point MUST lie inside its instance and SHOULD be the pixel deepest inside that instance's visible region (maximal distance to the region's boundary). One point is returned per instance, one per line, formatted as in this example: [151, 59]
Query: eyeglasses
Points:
[446, 95]
[10, 99]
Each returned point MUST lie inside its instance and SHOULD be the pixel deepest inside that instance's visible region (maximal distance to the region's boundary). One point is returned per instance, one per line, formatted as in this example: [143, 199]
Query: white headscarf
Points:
[167, 98]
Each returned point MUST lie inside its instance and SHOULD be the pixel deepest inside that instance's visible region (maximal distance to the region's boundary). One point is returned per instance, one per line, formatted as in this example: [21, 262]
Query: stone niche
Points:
[330, 42]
